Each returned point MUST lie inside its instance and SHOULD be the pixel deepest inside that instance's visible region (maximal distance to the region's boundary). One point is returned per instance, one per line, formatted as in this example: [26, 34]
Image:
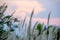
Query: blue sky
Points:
[50, 5]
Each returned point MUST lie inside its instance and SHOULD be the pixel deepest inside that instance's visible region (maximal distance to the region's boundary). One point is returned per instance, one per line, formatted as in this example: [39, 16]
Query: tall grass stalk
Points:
[48, 18]
[29, 26]
[48, 24]
[34, 37]
[23, 22]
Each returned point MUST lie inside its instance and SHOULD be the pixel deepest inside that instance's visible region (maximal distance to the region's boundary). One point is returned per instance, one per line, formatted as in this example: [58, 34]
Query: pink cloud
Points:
[1, 2]
[53, 21]
[23, 7]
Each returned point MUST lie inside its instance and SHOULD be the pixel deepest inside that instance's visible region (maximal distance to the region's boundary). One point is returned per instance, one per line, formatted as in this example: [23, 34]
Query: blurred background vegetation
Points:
[38, 32]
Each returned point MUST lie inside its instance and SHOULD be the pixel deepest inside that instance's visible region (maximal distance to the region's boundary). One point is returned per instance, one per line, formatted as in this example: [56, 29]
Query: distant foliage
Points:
[39, 28]
[3, 33]
[36, 33]
[4, 20]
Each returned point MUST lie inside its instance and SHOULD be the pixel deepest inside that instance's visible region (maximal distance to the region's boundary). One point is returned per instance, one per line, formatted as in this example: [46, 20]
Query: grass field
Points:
[19, 31]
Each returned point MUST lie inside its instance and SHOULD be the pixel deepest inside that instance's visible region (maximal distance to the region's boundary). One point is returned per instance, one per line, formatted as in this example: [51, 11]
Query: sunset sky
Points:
[41, 9]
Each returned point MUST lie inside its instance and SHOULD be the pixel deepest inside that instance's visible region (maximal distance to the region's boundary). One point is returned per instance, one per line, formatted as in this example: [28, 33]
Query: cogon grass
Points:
[29, 26]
